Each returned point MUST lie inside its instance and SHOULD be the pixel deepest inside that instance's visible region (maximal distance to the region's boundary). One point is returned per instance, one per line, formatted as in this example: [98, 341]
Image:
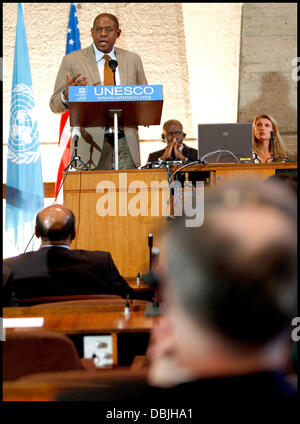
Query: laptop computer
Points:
[225, 143]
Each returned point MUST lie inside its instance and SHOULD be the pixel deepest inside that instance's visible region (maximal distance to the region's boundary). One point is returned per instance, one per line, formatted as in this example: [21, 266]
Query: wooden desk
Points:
[219, 173]
[80, 320]
[75, 306]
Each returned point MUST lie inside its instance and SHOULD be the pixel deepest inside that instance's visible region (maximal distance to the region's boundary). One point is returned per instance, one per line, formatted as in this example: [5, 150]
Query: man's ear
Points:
[36, 233]
[163, 137]
[73, 234]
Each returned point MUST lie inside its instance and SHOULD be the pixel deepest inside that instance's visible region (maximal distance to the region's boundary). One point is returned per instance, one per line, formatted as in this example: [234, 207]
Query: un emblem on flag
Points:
[23, 145]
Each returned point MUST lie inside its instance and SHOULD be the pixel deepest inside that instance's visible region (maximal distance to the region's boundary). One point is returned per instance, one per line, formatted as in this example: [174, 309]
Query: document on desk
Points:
[23, 322]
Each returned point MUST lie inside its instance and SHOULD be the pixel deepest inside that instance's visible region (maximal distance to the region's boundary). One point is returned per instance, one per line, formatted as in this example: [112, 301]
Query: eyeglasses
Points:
[169, 134]
[106, 29]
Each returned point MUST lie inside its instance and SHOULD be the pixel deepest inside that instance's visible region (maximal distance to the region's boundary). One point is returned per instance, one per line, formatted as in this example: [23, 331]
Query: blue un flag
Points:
[24, 183]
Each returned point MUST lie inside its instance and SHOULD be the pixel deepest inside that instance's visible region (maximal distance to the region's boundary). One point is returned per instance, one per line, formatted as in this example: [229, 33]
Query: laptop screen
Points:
[225, 143]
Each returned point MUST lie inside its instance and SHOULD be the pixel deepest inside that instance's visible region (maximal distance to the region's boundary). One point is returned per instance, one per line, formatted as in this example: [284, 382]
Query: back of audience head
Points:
[55, 224]
[235, 276]
[291, 180]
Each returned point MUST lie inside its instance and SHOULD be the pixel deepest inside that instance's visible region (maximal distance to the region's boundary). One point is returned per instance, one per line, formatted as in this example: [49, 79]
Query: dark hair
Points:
[250, 298]
[289, 178]
[110, 16]
[57, 234]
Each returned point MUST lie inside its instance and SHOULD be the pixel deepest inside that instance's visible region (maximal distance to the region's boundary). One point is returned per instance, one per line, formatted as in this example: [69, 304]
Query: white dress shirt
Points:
[64, 246]
[101, 62]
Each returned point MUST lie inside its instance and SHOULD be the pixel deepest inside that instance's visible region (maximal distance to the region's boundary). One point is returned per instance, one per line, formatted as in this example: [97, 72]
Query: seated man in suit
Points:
[175, 150]
[55, 269]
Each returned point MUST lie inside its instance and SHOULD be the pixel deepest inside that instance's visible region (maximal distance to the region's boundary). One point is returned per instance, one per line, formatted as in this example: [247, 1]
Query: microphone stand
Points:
[154, 308]
[75, 158]
[150, 244]
[171, 199]
[73, 164]
[115, 113]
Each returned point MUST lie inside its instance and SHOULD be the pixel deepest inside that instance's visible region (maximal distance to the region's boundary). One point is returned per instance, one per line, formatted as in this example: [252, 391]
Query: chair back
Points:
[34, 351]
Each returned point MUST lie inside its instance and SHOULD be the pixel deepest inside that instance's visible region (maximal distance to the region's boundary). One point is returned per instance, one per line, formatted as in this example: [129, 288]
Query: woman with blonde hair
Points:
[263, 126]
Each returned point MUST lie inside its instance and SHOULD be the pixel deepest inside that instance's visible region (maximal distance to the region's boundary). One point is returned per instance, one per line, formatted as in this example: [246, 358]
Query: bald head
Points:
[173, 131]
[55, 225]
[167, 124]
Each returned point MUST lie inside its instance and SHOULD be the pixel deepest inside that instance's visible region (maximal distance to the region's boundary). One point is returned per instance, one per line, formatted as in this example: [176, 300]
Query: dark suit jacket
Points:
[188, 152]
[55, 271]
[8, 297]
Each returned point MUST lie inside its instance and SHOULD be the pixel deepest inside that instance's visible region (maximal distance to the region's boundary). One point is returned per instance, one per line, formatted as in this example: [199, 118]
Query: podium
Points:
[114, 106]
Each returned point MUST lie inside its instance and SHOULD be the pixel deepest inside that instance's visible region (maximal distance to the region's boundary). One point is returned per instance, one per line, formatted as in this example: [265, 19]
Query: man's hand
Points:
[78, 79]
[168, 152]
[178, 153]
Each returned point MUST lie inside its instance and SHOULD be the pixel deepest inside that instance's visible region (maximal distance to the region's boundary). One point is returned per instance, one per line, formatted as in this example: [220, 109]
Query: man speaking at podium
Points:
[90, 66]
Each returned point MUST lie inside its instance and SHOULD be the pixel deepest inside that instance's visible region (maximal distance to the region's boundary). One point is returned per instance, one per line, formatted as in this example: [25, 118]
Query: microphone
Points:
[113, 66]
[150, 244]
[273, 146]
[76, 133]
[150, 241]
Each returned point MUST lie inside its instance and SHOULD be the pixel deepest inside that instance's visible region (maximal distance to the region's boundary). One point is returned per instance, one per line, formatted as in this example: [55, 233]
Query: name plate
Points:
[115, 93]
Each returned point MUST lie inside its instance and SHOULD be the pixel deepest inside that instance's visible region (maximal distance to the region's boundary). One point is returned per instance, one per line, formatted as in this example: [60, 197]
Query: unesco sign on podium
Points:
[92, 106]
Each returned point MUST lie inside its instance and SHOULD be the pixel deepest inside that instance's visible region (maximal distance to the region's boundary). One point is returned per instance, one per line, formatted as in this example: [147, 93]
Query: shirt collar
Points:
[64, 246]
[99, 55]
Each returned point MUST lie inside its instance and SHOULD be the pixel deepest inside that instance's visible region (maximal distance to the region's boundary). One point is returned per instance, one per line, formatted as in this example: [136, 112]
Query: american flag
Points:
[73, 44]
